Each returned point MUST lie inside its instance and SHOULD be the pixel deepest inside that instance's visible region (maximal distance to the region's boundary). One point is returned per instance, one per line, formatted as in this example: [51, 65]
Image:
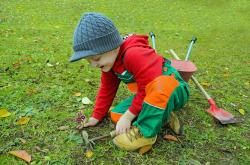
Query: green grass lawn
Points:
[35, 34]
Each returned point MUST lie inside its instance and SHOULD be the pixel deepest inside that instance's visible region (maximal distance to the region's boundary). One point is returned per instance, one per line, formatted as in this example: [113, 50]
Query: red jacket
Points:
[138, 58]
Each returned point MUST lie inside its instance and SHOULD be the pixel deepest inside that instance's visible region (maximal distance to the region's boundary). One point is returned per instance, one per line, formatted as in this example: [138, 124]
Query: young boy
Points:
[158, 87]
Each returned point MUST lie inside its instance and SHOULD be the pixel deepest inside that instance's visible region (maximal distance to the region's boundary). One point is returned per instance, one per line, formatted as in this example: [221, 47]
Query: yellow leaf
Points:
[23, 120]
[175, 123]
[21, 154]
[205, 84]
[4, 113]
[89, 153]
[77, 94]
[242, 111]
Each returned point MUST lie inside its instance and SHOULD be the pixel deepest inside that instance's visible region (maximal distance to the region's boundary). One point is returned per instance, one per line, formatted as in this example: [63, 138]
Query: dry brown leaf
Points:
[4, 113]
[171, 138]
[16, 64]
[23, 120]
[21, 154]
[62, 128]
[77, 94]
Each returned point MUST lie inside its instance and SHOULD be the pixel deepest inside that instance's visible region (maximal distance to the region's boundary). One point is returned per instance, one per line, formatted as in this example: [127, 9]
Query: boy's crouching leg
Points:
[133, 140]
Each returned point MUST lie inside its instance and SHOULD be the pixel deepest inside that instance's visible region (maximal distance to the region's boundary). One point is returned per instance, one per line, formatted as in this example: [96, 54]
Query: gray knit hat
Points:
[94, 34]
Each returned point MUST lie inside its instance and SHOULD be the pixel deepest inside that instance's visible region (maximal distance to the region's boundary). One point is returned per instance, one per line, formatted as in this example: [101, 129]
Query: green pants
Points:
[164, 94]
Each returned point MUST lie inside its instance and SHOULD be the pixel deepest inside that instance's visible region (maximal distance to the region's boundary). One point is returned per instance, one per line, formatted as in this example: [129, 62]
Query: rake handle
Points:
[111, 134]
[152, 35]
[193, 78]
[193, 40]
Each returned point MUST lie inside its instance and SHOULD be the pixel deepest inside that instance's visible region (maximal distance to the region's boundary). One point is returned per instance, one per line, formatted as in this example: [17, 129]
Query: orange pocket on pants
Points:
[159, 91]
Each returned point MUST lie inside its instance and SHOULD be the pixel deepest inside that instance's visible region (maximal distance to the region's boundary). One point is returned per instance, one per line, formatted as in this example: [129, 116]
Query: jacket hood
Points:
[132, 41]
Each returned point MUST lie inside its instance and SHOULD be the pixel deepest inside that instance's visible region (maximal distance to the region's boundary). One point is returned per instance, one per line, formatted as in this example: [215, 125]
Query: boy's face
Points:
[103, 61]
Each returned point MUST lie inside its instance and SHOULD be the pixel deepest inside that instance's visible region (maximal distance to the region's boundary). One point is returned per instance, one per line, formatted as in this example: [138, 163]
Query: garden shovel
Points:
[218, 113]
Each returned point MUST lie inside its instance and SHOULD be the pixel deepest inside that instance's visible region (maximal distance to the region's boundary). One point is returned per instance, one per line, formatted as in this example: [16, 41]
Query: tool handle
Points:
[152, 36]
[99, 137]
[193, 40]
[193, 78]
[174, 54]
[200, 87]
[111, 134]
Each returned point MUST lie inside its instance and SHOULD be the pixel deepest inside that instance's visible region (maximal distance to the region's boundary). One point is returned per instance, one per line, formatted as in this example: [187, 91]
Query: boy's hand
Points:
[91, 122]
[124, 123]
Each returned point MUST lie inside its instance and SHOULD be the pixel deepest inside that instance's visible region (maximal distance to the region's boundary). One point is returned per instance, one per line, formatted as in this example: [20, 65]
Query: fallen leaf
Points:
[62, 128]
[37, 148]
[22, 140]
[175, 123]
[87, 80]
[41, 150]
[170, 138]
[49, 65]
[77, 94]
[193, 162]
[16, 64]
[205, 84]
[21, 154]
[45, 49]
[224, 150]
[242, 111]
[45, 150]
[32, 91]
[86, 100]
[234, 105]
[89, 153]
[23, 120]
[4, 113]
